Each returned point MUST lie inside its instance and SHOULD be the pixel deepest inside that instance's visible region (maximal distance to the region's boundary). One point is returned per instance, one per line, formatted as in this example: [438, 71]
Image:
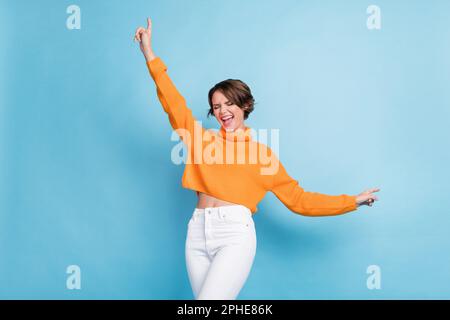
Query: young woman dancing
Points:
[221, 237]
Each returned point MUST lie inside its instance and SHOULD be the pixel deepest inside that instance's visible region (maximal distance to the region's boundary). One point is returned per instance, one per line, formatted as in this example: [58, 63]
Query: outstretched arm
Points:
[306, 203]
[174, 104]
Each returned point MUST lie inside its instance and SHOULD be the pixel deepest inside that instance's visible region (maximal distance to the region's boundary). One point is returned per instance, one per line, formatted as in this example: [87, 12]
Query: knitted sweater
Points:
[229, 165]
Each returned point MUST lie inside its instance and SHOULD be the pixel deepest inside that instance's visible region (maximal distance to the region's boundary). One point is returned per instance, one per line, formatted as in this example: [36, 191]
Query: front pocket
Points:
[237, 220]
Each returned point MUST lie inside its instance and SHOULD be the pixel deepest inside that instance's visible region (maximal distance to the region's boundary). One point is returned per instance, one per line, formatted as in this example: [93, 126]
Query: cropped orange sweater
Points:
[245, 182]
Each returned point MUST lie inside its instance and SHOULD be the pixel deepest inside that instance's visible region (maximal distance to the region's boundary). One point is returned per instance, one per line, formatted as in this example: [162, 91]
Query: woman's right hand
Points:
[144, 36]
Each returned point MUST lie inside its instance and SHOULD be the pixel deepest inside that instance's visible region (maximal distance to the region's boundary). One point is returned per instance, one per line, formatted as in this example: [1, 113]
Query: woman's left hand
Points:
[366, 197]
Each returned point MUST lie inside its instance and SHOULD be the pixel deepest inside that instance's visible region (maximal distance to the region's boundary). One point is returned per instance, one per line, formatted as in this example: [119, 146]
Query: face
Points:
[229, 115]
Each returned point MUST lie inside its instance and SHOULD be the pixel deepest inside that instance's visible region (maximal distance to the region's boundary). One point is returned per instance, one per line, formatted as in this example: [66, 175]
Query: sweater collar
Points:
[237, 135]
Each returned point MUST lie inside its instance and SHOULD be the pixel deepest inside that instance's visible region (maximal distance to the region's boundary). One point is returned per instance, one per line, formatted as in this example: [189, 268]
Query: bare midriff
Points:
[207, 201]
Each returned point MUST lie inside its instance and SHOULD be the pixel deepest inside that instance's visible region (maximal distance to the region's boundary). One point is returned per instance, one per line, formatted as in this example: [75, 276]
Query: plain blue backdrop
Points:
[85, 171]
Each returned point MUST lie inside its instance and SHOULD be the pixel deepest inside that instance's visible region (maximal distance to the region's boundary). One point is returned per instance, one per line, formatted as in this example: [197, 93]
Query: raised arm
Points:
[174, 104]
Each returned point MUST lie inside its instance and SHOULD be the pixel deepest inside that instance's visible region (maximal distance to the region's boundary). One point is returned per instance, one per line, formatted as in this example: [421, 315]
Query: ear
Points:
[245, 107]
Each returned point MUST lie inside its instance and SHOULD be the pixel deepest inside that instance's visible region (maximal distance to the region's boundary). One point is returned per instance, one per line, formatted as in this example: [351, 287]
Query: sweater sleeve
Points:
[306, 203]
[174, 104]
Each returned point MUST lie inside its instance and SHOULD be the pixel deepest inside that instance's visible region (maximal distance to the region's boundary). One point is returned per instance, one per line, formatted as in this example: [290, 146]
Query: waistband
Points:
[231, 209]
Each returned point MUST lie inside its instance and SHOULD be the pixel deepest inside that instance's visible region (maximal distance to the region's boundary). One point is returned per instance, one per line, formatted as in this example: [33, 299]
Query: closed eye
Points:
[217, 106]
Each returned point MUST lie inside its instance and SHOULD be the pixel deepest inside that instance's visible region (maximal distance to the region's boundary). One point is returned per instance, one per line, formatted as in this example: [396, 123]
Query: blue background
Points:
[85, 171]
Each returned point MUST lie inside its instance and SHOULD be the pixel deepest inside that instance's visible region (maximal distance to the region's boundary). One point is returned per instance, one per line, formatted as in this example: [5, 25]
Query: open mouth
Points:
[226, 120]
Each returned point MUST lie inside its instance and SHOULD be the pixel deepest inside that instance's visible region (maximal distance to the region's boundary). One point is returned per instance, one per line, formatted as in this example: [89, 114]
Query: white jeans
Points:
[220, 249]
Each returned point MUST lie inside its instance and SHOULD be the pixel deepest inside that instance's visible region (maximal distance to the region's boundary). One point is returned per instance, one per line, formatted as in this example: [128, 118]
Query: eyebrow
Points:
[218, 104]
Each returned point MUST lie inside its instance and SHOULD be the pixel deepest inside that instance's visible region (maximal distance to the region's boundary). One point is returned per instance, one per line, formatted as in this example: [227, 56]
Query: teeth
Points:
[227, 118]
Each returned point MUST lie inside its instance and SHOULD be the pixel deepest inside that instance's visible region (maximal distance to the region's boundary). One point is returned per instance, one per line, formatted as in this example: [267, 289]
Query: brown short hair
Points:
[237, 92]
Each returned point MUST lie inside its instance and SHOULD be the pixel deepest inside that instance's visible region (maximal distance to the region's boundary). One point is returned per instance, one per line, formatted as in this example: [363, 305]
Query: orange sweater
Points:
[240, 183]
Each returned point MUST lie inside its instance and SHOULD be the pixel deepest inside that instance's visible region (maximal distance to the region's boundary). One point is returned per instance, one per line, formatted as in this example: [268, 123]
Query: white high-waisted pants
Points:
[220, 249]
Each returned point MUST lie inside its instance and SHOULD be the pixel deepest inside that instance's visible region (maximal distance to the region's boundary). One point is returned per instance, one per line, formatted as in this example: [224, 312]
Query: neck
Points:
[242, 127]
[239, 134]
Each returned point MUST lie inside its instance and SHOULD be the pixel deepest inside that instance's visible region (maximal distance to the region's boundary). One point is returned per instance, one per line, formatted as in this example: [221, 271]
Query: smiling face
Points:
[229, 115]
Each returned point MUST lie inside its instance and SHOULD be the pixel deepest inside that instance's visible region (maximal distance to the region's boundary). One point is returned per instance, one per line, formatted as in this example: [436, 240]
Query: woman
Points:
[221, 237]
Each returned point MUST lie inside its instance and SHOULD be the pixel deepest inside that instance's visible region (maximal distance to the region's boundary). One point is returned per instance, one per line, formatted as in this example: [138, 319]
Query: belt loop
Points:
[216, 210]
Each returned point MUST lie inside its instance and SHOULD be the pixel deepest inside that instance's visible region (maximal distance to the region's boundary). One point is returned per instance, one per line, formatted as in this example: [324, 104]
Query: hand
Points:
[366, 197]
[144, 36]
